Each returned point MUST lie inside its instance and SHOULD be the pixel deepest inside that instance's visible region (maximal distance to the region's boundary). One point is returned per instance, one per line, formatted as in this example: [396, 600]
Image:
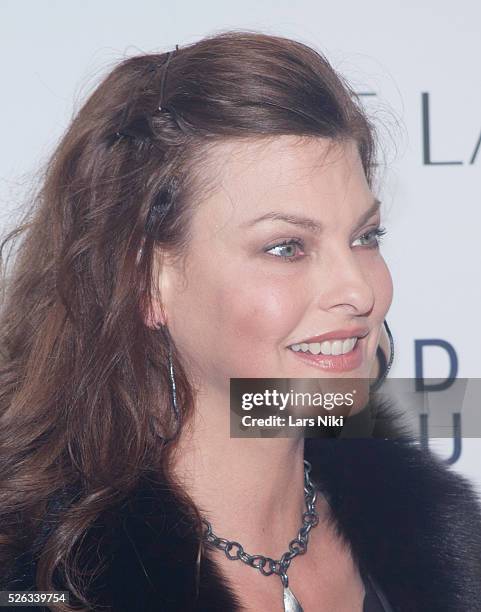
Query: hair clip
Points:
[138, 130]
[141, 128]
[161, 205]
[170, 55]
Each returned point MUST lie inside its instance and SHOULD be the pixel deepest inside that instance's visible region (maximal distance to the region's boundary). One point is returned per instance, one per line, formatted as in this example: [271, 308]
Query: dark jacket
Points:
[413, 524]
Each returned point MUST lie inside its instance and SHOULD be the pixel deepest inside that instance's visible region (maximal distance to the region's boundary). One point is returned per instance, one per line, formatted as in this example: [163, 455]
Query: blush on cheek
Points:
[264, 313]
[382, 281]
[255, 324]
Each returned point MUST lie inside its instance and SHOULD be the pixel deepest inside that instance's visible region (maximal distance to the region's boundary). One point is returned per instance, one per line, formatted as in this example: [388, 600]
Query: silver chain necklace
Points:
[297, 546]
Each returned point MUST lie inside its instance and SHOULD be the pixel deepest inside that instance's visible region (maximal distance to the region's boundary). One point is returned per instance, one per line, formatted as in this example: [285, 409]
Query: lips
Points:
[339, 334]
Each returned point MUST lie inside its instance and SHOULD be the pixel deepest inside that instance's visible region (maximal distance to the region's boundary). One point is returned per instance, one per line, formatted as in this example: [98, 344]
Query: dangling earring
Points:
[173, 387]
[385, 365]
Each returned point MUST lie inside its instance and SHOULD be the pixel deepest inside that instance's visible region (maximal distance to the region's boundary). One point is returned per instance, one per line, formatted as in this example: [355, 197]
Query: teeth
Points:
[315, 348]
[328, 347]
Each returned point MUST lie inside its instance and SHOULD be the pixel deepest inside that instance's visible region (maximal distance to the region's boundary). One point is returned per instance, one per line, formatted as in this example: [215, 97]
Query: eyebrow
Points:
[311, 224]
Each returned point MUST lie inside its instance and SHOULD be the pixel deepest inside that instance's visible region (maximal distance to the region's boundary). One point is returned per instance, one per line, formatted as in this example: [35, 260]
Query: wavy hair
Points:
[84, 387]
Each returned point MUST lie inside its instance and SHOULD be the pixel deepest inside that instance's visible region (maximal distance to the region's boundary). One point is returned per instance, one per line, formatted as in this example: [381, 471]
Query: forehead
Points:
[280, 157]
[285, 173]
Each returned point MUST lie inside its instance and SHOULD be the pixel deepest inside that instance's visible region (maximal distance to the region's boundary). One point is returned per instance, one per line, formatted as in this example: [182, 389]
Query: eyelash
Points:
[378, 233]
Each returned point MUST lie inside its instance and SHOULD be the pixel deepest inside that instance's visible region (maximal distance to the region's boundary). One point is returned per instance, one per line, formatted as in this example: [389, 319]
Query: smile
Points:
[345, 355]
[328, 347]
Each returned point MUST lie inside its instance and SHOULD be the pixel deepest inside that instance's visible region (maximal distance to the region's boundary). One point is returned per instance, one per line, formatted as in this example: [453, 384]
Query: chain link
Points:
[298, 546]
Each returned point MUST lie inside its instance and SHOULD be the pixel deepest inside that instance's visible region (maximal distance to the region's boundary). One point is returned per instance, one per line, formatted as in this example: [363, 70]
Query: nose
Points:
[345, 284]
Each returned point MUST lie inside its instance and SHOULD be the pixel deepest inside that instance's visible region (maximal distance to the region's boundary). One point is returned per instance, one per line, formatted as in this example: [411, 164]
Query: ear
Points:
[155, 314]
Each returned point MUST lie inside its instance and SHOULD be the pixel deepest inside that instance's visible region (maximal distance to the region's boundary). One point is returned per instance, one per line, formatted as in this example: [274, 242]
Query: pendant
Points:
[290, 602]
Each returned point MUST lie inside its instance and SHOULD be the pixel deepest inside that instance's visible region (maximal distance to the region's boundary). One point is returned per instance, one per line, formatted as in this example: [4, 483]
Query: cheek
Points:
[235, 322]
[379, 278]
[258, 318]
[260, 311]
[384, 288]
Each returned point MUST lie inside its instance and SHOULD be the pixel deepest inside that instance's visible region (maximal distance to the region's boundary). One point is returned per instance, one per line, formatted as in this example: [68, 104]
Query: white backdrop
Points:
[417, 63]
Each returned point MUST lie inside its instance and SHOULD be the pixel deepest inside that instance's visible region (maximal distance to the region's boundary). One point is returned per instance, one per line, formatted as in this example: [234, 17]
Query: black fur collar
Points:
[412, 523]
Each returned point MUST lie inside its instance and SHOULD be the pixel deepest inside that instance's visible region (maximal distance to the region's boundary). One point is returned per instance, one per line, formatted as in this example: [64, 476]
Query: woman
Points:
[156, 267]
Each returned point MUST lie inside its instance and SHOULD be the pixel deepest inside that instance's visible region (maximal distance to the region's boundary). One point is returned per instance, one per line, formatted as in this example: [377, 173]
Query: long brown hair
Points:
[84, 389]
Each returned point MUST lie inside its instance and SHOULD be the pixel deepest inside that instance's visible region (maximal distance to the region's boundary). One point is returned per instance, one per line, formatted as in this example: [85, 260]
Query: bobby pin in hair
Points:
[170, 55]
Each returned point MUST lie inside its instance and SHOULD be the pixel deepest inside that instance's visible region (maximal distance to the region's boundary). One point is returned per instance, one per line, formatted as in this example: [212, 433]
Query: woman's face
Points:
[255, 284]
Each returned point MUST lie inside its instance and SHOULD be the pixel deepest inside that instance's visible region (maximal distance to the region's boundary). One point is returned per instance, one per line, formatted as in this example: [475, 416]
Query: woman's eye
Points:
[373, 238]
[286, 250]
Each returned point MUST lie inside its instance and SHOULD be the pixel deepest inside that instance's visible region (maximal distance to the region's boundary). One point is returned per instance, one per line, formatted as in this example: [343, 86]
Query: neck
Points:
[251, 490]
